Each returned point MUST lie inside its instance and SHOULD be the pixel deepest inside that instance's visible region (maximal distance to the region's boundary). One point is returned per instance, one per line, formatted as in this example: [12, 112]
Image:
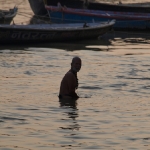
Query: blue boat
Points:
[124, 20]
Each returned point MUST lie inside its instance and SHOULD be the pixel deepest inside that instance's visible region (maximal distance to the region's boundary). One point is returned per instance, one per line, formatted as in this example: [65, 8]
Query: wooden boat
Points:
[38, 8]
[52, 32]
[132, 7]
[6, 16]
[124, 20]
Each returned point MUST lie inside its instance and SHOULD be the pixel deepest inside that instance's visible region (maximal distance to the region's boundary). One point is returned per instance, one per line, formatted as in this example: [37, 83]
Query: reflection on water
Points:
[71, 110]
[111, 113]
[71, 103]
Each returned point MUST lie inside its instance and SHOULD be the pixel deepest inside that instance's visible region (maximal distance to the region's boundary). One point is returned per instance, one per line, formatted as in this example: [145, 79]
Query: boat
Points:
[132, 7]
[53, 32]
[124, 20]
[6, 16]
[38, 8]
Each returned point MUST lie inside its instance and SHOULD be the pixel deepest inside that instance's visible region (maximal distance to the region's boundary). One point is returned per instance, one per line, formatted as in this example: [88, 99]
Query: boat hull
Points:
[134, 7]
[51, 33]
[124, 21]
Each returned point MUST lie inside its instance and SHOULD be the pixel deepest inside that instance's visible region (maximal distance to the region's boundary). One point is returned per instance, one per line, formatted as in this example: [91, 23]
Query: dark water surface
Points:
[114, 86]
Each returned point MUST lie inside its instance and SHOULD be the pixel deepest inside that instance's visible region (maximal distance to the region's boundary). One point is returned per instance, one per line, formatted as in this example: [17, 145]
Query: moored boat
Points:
[38, 8]
[132, 7]
[124, 20]
[6, 16]
[53, 32]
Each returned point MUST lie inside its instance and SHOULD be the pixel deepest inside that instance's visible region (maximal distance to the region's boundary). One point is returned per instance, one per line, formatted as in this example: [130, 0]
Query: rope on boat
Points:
[34, 18]
[20, 3]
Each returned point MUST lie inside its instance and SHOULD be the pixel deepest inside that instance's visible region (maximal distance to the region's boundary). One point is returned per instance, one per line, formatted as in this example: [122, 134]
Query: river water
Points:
[112, 112]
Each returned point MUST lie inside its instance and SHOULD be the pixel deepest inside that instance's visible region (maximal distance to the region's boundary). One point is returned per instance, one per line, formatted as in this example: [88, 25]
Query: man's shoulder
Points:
[69, 74]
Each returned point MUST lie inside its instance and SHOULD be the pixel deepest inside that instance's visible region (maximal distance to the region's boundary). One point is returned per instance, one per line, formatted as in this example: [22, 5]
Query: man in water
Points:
[69, 82]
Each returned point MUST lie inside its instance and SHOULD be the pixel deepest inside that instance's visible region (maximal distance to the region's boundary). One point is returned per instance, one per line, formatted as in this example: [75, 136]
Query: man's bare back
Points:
[69, 82]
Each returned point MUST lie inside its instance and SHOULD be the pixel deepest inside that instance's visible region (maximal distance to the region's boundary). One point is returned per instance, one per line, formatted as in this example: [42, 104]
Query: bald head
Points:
[75, 59]
[76, 64]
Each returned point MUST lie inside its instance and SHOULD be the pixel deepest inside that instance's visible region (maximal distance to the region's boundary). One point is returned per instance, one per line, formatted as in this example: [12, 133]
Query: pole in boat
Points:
[45, 2]
[85, 3]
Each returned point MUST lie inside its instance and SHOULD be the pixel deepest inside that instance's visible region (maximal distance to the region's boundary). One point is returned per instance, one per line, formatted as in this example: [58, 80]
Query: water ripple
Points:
[11, 118]
[112, 111]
